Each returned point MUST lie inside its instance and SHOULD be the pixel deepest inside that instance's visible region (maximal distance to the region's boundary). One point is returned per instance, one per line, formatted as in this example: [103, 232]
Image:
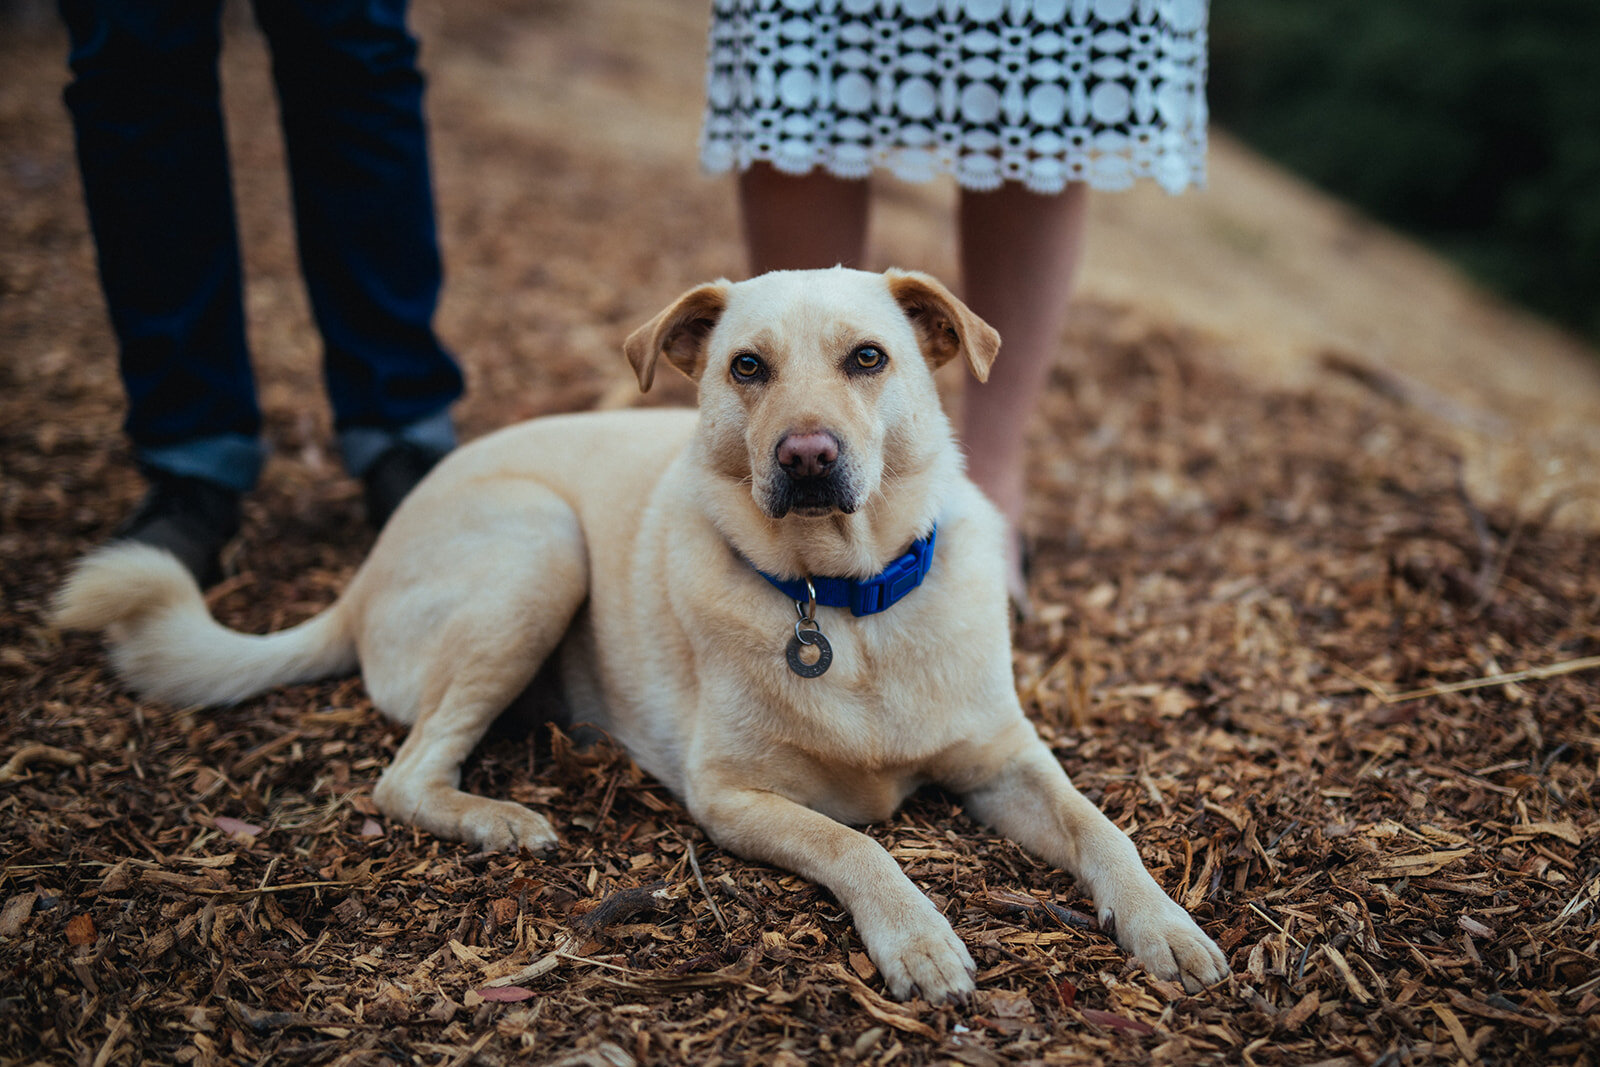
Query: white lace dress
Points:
[1042, 92]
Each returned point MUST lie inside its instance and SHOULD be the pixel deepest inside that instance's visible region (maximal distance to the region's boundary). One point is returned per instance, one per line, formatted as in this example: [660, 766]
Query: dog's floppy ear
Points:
[679, 333]
[946, 328]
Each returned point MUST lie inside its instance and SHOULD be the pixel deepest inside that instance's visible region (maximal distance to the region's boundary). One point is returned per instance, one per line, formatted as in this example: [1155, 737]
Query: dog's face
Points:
[816, 387]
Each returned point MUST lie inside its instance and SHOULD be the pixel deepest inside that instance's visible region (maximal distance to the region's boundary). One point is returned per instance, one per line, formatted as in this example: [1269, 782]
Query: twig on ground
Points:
[17, 765]
[1530, 674]
[716, 912]
[1274, 924]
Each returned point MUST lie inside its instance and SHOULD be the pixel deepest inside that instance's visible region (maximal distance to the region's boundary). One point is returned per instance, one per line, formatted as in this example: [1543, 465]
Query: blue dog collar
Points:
[865, 596]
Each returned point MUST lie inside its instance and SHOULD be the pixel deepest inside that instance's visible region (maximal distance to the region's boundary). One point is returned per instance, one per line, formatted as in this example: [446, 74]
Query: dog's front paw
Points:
[500, 825]
[1162, 937]
[919, 955]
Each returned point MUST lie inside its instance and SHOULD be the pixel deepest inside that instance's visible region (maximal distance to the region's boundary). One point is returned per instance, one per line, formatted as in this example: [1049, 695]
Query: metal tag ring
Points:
[814, 638]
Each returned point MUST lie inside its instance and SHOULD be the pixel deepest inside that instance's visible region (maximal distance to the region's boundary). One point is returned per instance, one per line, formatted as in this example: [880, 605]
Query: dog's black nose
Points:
[808, 455]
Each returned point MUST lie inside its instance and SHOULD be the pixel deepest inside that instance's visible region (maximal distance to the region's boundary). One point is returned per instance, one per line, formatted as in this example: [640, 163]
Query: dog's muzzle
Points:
[812, 477]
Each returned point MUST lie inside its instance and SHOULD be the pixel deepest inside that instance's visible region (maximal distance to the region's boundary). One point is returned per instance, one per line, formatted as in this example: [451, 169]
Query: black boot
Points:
[189, 517]
[392, 475]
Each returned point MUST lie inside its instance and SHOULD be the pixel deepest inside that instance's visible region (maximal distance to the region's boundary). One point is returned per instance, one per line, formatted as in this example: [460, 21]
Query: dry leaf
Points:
[885, 1011]
[1296, 1017]
[1415, 866]
[1565, 830]
[466, 953]
[16, 913]
[1342, 965]
[1005, 1004]
[117, 878]
[505, 994]
[80, 930]
[1115, 1022]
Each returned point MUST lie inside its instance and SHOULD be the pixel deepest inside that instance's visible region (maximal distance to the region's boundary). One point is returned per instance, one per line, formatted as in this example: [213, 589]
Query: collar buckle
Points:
[903, 574]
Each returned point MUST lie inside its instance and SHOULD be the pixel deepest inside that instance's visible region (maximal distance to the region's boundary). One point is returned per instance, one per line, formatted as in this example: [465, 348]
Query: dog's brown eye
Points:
[748, 368]
[868, 358]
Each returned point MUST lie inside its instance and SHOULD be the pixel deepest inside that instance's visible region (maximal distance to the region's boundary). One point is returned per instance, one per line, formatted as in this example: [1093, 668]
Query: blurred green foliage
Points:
[1473, 124]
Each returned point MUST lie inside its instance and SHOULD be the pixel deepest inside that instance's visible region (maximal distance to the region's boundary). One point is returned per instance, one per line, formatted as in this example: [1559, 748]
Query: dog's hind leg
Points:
[481, 624]
[422, 785]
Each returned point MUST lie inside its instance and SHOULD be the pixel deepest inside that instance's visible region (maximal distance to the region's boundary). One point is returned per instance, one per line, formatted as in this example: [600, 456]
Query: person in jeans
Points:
[146, 112]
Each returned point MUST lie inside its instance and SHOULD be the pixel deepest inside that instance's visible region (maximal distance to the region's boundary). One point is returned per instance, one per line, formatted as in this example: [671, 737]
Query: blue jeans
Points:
[146, 111]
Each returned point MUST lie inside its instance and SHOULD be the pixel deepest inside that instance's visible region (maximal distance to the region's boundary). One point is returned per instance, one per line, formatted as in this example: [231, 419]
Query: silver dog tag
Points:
[814, 638]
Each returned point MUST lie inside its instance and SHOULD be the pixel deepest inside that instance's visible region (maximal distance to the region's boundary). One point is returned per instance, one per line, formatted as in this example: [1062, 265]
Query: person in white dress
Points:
[1027, 104]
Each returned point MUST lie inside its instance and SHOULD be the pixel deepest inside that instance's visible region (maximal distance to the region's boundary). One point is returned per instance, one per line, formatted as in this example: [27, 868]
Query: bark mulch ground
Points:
[1277, 641]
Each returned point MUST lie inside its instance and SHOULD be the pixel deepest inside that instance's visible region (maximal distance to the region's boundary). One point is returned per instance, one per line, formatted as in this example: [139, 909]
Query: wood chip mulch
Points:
[1351, 719]
[1237, 589]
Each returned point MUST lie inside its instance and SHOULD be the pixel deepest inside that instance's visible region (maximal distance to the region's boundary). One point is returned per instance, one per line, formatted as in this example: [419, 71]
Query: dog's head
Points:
[816, 387]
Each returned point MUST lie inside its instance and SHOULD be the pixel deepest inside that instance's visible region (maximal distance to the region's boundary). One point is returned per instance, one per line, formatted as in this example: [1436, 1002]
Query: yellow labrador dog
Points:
[789, 607]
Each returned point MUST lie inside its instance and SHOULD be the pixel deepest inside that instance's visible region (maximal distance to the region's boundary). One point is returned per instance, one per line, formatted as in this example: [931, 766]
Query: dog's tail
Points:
[165, 645]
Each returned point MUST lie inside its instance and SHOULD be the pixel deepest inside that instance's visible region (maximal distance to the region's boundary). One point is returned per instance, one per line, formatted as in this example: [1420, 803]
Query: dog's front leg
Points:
[910, 942]
[1032, 801]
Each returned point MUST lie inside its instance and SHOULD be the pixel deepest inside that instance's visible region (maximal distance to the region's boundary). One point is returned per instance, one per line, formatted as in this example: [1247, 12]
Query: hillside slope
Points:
[1287, 281]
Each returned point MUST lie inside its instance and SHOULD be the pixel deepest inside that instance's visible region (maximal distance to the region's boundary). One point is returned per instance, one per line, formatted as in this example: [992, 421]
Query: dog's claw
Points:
[931, 963]
[1170, 945]
[501, 826]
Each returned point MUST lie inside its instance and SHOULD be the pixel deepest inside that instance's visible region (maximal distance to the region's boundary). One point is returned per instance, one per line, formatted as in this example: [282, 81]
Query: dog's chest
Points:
[887, 702]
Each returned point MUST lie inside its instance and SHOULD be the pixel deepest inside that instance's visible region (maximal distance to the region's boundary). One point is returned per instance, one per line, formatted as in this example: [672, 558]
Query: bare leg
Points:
[802, 222]
[1019, 255]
